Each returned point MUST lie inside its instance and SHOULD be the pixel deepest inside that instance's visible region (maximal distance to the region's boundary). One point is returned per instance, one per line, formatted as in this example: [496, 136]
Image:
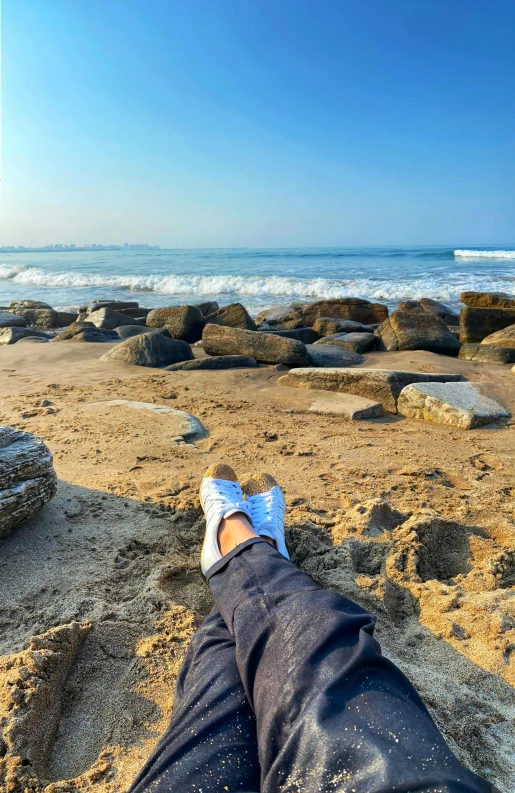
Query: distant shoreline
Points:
[75, 249]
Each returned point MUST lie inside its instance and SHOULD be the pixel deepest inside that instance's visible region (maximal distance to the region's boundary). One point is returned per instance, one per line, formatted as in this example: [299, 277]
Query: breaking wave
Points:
[465, 254]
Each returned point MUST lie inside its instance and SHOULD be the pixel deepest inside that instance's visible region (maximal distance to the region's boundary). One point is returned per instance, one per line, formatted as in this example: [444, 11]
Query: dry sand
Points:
[101, 592]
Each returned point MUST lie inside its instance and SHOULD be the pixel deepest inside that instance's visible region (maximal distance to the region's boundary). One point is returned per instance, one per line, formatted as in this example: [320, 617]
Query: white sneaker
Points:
[220, 497]
[267, 507]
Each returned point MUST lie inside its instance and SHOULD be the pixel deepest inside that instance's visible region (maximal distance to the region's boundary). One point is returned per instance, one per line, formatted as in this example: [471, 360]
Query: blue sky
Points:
[258, 122]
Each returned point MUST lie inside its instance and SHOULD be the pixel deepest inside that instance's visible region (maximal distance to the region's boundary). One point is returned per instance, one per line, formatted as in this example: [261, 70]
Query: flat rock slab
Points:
[264, 347]
[330, 355]
[355, 341]
[487, 353]
[181, 424]
[380, 385]
[27, 477]
[452, 404]
[218, 362]
[348, 406]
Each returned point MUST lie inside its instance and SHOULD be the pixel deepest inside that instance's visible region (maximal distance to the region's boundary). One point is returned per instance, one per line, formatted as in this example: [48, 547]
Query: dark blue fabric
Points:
[284, 690]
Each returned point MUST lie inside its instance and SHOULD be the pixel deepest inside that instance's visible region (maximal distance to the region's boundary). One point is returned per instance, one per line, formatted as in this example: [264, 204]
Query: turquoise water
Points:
[255, 277]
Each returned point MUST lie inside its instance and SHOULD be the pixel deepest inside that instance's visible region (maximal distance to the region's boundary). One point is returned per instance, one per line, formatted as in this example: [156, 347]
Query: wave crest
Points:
[466, 254]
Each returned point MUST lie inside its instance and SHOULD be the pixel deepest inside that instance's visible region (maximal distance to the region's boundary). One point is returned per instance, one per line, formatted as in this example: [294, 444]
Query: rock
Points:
[488, 299]
[40, 317]
[345, 308]
[27, 477]
[126, 331]
[109, 318]
[455, 330]
[502, 338]
[12, 335]
[282, 317]
[264, 347]
[305, 335]
[33, 340]
[349, 406]
[28, 304]
[136, 313]
[182, 424]
[416, 331]
[116, 305]
[209, 307]
[182, 322]
[356, 342]
[86, 332]
[149, 349]
[219, 362]
[325, 326]
[477, 323]
[332, 355]
[487, 353]
[65, 318]
[380, 385]
[233, 316]
[8, 320]
[453, 404]
[428, 305]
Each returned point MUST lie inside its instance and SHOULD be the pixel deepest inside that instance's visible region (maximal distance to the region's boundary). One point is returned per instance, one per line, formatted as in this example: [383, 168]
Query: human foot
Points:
[228, 517]
[267, 507]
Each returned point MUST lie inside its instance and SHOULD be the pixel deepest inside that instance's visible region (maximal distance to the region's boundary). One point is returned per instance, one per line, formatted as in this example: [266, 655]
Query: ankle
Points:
[233, 531]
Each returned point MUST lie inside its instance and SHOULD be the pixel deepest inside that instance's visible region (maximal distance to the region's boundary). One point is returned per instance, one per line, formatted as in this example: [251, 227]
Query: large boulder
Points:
[380, 385]
[325, 326]
[502, 338]
[86, 332]
[305, 335]
[27, 477]
[232, 316]
[416, 331]
[40, 317]
[428, 305]
[345, 308]
[149, 349]
[477, 323]
[12, 335]
[488, 299]
[453, 404]
[110, 319]
[264, 347]
[356, 342]
[279, 317]
[218, 362]
[182, 322]
[331, 355]
[8, 320]
[487, 353]
[65, 318]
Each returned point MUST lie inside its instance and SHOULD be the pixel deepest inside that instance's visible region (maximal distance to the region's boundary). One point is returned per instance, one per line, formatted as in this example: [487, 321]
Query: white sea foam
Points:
[465, 254]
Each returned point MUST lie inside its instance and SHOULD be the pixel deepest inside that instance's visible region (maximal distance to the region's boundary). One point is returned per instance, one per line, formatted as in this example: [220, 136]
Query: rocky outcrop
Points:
[430, 306]
[9, 320]
[487, 353]
[502, 338]
[218, 362]
[331, 355]
[325, 326]
[477, 323]
[109, 318]
[264, 347]
[86, 332]
[380, 385]
[149, 349]
[416, 331]
[452, 404]
[345, 308]
[488, 300]
[27, 477]
[280, 317]
[12, 335]
[356, 342]
[232, 316]
[185, 323]
[305, 335]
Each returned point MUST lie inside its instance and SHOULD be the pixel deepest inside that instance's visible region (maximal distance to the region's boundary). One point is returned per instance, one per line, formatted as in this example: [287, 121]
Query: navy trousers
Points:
[284, 690]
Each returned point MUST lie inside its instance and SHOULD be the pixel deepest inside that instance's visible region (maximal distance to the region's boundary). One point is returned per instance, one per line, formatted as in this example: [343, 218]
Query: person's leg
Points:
[210, 745]
[332, 713]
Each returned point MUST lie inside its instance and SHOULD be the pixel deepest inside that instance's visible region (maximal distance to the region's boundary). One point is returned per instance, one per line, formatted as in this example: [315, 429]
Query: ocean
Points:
[257, 277]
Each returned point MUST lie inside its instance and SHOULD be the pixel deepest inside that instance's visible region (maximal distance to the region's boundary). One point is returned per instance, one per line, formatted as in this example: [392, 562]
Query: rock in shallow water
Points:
[27, 477]
[453, 404]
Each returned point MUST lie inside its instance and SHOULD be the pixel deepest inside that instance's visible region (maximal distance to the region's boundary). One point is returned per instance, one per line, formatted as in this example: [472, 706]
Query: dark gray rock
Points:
[136, 313]
[219, 362]
[477, 323]
[33, 340]
[305, 335]
[232, 316]
[331, 355]
[486, 353]
[126, 331]
[325, 326]
[109, 318]
[208, 307]
[65, 318]
[185, 323]
[116, 305]
[356, 342]
[27, 477]
[345, 308]
[8, 320]
[149, 349]
[416, 331]
[428, 305]
[264, 347]
[12, 335]
[86, 332]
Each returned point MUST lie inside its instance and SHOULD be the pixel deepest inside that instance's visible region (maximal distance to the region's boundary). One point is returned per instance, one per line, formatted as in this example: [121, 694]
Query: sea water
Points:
[257, 277]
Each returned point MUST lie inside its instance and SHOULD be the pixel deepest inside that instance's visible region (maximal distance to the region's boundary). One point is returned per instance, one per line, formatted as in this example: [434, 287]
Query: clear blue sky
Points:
[258, 122]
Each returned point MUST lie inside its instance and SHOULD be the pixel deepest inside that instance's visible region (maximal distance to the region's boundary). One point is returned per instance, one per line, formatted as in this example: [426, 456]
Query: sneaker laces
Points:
[225, 498]
[263, 507]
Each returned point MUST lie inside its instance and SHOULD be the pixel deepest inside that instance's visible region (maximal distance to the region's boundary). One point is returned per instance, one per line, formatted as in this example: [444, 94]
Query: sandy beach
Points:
[101, 591]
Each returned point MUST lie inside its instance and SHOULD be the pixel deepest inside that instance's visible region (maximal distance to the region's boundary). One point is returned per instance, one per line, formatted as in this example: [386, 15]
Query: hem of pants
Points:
[224, 561]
